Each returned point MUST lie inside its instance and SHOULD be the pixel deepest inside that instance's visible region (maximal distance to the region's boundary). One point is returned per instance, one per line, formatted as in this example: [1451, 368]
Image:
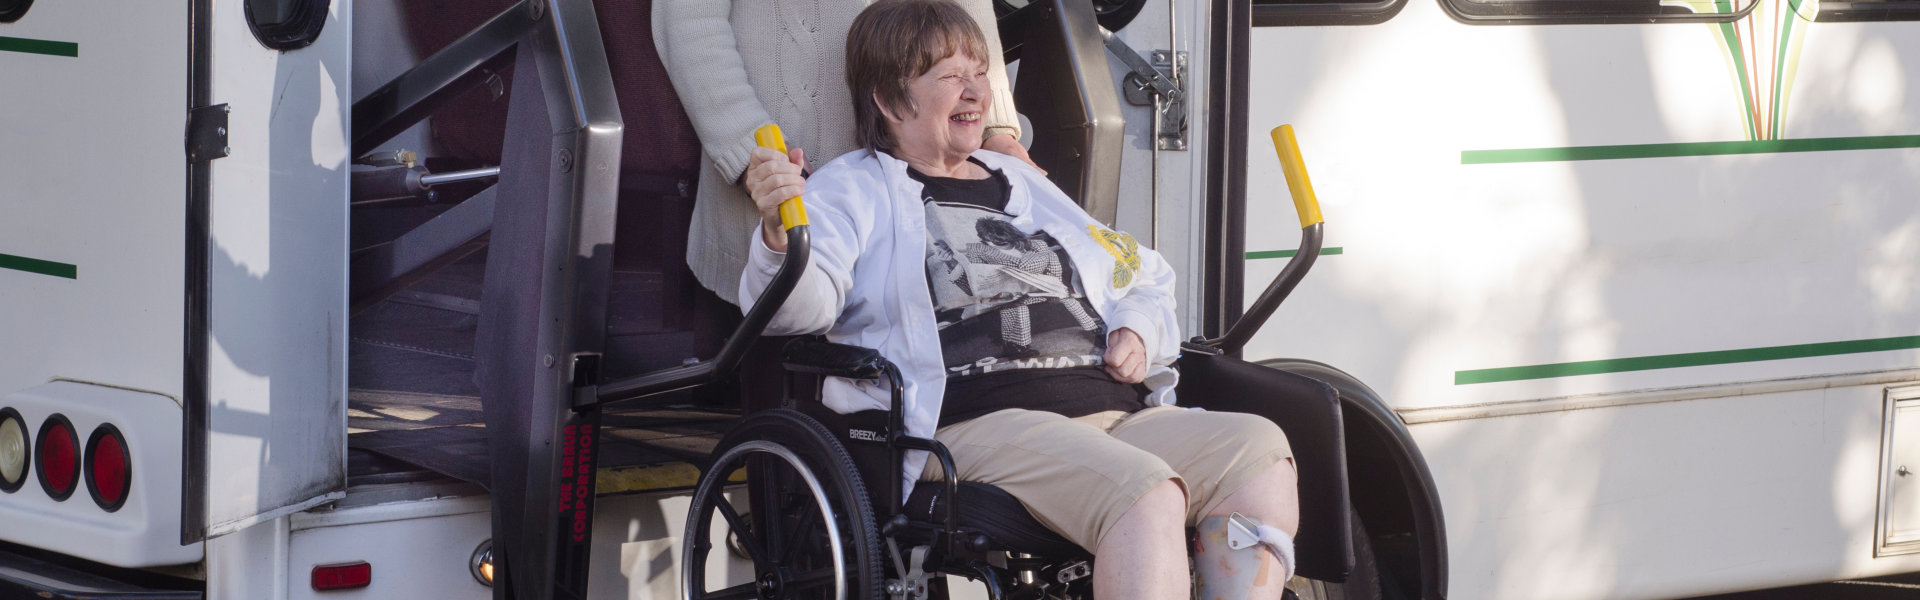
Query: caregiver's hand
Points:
[1010, 146]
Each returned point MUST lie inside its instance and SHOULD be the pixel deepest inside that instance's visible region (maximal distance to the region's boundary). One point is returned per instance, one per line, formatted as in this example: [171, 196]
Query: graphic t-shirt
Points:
[1016, 330]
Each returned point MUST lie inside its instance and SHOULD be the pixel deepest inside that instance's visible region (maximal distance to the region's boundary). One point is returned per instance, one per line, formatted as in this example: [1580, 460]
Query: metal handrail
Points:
[1311, 226]
[698, 372]
[411, 96]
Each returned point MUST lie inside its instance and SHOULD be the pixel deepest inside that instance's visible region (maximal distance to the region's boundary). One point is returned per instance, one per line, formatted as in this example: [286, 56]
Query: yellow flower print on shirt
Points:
[1125, 251]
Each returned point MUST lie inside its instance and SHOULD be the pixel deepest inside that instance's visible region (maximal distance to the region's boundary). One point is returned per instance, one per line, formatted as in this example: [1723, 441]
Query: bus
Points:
[379, 299]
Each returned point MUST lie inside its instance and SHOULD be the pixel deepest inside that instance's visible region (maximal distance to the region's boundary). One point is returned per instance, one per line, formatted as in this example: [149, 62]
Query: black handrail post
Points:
[1256, 316]
[799, 252]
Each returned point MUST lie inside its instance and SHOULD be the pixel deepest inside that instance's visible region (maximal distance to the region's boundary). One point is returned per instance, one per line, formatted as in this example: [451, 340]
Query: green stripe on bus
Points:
[1689, 359]
[1289, 253]
[1521, 155]
[50, 48]
[35, 265]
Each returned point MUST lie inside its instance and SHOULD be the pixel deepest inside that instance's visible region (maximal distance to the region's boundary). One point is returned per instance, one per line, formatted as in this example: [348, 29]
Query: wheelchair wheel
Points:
[803, 519]
[1364, 583]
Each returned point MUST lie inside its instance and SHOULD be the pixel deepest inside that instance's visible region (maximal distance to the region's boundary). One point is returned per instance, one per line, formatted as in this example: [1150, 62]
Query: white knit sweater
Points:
[741, 64]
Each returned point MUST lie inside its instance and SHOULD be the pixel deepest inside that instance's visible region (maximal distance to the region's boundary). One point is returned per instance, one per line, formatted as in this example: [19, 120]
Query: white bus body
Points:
[1651, 376]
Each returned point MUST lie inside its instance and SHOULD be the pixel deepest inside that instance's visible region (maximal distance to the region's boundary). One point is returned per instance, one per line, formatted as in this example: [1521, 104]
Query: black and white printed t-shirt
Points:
[1016, 330]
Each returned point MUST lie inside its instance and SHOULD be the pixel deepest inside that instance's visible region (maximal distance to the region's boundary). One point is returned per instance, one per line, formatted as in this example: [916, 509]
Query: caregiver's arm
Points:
[696, 42]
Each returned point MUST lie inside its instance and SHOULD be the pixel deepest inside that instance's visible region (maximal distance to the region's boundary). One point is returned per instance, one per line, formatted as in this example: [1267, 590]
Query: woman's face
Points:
[951, 98]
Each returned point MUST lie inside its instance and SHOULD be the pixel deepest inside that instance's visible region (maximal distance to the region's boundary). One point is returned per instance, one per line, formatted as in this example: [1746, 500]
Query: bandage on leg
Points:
[1237, 558]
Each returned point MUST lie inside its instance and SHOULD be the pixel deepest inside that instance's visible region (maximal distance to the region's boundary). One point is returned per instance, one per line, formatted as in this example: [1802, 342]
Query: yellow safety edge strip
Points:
[792, 212]
[1296, 171]
[650, 478]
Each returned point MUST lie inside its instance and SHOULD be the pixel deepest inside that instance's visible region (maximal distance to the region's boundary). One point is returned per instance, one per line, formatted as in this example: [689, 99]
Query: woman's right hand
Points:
[773, 178]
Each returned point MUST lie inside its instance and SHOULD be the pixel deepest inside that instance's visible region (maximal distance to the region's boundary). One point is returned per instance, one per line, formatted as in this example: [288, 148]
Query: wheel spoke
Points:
[739, 528]
[745, 590]
[811, 579]
[798, 537]
[770, 510]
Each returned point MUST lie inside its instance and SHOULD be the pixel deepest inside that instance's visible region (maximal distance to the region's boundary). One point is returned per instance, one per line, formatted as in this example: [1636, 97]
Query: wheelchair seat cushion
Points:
[995, 513]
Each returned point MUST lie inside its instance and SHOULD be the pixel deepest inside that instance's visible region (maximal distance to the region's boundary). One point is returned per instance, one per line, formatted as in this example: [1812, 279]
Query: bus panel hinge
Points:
[207, 133]
[1157, 80]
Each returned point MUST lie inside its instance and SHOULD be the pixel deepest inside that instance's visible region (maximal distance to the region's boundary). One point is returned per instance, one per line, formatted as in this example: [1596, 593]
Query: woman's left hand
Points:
[1010, 146]
[1126, 356]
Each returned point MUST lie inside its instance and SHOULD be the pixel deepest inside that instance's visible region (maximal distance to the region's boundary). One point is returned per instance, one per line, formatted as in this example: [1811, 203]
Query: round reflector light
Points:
[109, 467]
[13, 450]
[56, 458]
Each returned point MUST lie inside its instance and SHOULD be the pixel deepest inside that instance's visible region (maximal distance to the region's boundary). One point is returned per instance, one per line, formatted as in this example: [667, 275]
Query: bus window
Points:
[1543, 12]
[286, 24]
[1283, 13]
[1868, 10]
[12, 10]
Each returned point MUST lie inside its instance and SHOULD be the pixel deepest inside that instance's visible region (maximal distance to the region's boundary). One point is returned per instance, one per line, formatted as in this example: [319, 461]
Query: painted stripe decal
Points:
[1521, 155]
[50, 48]
[1289, 253]
[35, 265]
[1689, 359]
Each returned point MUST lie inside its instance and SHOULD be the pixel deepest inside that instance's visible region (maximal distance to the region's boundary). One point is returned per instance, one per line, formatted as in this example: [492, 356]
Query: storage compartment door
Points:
[276, 343]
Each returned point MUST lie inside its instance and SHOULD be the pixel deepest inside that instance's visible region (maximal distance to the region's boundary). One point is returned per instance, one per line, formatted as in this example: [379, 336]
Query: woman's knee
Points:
[1167, 498]
[1256, 427]
[1161, 510]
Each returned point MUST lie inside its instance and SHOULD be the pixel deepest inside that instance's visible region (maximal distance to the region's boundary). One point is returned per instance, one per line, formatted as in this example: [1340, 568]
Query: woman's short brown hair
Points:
[891, 43]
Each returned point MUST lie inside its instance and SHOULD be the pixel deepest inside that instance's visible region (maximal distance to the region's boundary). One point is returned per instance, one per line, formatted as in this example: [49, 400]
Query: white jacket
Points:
[866, 284]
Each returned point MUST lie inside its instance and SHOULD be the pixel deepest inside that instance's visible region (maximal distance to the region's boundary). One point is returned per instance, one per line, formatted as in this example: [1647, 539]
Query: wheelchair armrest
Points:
[821, 357]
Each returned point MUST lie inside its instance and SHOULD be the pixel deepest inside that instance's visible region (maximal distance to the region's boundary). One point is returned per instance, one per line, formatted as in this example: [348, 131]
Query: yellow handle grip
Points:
[1296, 172]
[792, 212]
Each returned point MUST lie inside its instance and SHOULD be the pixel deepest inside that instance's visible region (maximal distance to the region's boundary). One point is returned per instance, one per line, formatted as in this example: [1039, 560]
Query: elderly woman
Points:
[1035, 343]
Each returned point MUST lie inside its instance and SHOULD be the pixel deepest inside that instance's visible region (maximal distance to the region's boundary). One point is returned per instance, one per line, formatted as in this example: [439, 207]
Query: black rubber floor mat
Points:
[457, 451]
[444, 434]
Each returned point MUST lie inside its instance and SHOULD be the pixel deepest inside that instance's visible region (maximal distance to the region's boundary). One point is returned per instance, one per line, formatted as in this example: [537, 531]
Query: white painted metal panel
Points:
[277, 344]
[424, 549]
[143, 532]
[1449, 268]
[1663, 500]
[93, 180]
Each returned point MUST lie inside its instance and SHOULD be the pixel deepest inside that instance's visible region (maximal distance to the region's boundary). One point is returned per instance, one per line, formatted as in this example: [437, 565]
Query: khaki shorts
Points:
[1078, 476]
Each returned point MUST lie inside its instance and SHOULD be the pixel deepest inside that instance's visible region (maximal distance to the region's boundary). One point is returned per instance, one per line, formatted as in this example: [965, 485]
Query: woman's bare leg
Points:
[1253, 573]
[1273, 498]
[1144, 555]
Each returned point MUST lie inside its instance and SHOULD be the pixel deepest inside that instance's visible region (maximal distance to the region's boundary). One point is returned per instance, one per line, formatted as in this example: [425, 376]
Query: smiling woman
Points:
[1033, 341]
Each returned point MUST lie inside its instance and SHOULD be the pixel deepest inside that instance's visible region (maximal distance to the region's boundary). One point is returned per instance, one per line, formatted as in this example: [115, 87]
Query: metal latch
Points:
[1157, 82]
[207, 133]
[1074, 572]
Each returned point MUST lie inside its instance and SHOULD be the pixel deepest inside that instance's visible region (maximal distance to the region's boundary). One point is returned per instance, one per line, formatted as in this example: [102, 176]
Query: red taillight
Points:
[56, 457]
[343, 576]
[109, 467]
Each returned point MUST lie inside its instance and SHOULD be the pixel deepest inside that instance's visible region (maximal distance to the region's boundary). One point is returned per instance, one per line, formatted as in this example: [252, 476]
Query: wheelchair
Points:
[822, 513]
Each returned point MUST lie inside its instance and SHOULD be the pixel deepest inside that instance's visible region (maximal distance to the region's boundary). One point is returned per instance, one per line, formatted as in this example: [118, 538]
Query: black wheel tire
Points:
[794, 468]
[1364, 583]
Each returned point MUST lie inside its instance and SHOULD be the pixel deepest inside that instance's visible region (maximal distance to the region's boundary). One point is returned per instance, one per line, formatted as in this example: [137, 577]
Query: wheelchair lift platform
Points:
[414, 411]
